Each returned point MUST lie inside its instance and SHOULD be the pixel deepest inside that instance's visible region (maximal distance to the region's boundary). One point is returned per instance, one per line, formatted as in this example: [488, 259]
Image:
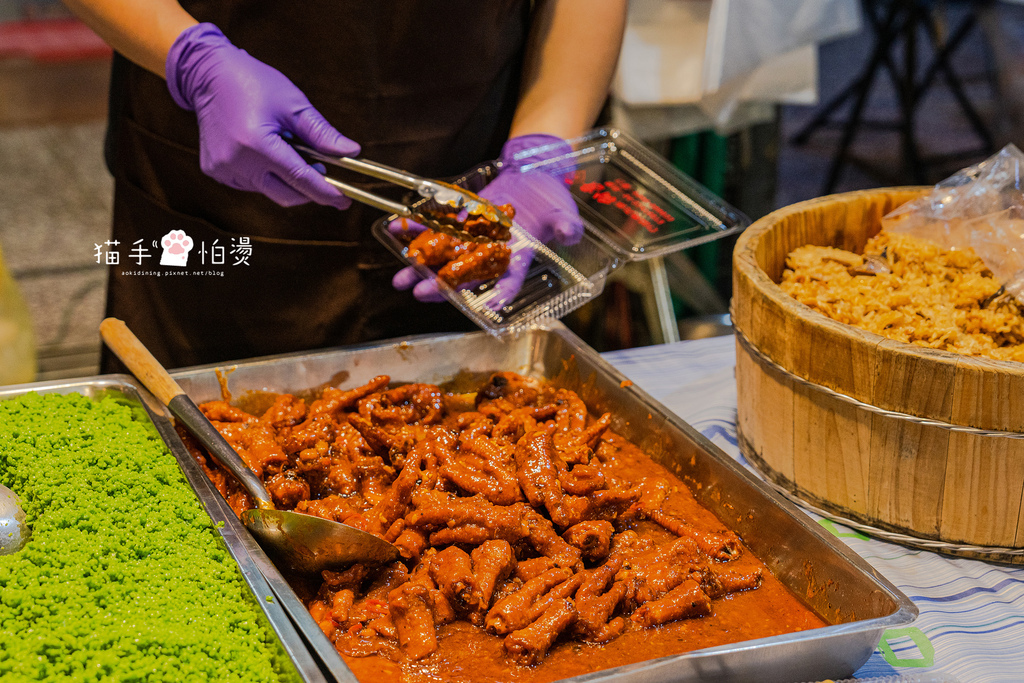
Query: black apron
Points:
[427, 85]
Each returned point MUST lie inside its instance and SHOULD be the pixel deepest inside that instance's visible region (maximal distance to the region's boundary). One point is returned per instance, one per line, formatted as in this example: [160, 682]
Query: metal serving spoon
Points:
[14, 532]
[300, 542]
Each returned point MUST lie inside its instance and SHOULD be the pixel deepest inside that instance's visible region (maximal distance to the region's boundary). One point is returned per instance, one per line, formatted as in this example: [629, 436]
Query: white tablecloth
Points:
[972, 613]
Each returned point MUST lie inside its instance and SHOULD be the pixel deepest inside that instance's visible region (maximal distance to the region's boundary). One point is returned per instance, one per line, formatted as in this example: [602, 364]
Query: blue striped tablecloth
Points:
[972, 613]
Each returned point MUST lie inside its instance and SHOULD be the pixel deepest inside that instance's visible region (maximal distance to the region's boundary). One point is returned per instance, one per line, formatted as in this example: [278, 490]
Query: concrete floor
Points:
[55, 205]
[55, 193]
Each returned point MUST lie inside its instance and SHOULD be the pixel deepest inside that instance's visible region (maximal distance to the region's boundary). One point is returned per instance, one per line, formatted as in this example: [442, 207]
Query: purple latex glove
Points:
[544, 208]
[244, 108]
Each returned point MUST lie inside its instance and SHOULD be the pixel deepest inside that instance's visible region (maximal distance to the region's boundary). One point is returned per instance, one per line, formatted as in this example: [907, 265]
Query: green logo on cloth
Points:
[834, 530]
[924, 646]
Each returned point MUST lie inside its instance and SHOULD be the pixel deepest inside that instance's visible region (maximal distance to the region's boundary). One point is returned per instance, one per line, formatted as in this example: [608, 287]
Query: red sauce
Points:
[468, 654]
[508, 505]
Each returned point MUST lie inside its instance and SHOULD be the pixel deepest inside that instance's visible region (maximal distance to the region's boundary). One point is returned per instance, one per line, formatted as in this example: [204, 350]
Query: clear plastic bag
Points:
[17, 342]
[980, 207]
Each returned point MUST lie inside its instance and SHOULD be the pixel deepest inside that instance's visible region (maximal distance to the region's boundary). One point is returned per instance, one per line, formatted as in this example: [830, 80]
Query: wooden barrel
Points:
[892, 435]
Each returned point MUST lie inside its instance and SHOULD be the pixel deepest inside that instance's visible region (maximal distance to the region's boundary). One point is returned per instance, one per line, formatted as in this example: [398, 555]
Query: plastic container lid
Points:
[560, 279]
[635, 201]
[634, 205]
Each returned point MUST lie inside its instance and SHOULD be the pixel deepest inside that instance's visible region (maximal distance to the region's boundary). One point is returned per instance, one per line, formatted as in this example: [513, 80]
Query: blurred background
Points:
[766, 102]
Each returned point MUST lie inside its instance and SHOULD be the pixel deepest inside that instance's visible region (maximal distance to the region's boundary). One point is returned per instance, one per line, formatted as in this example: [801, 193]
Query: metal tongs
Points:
[440, 192]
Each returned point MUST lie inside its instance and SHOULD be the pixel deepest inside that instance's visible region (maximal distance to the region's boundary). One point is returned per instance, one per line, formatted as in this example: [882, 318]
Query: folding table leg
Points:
[668, 324]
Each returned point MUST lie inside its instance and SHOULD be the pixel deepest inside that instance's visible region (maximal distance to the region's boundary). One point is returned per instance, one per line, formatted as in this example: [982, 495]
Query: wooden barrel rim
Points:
[758, 296]
[771, 367]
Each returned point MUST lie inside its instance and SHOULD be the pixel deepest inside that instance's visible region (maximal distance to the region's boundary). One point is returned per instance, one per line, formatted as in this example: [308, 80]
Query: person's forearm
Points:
[570, 60]
[141, 31]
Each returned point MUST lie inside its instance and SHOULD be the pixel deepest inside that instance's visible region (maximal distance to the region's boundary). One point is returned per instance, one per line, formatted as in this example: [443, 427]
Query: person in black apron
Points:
[434, 87]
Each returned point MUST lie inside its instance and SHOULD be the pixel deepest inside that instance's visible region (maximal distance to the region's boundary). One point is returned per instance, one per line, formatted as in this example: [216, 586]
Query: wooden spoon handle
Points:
[139, 360]
[152, 374]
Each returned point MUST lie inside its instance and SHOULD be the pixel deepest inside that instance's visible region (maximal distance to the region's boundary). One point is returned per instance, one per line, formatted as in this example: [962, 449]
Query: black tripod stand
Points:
[892, 21]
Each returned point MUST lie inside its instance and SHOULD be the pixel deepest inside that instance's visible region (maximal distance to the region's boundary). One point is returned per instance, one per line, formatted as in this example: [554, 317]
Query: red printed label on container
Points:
[632, 208]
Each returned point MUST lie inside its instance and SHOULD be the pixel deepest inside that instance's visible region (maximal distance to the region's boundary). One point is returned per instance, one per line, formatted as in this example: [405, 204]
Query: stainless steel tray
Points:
[293, 657]
[840, 586]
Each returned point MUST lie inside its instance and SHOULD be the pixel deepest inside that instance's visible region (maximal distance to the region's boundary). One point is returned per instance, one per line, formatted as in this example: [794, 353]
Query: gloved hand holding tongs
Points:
[247, 113]
[543, 206]
[247, 109]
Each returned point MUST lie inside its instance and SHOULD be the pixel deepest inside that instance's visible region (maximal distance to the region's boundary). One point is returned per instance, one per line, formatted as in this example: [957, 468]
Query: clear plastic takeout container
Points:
[635, 201]
[560, 278]
[634, 206]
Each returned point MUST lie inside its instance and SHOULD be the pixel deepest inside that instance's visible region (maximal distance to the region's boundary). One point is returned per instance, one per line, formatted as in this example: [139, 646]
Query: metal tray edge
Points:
[869, 631]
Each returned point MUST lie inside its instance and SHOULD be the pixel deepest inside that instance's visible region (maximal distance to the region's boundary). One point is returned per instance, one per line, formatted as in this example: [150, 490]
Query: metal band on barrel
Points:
[895, 536]
[766, 362]
[994, 552]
